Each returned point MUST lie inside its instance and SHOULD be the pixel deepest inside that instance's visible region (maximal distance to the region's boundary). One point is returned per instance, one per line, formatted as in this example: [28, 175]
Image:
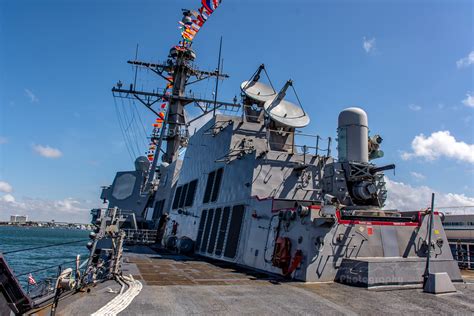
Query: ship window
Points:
[234, 231]
[209, 184]
[182, 198]
[201, 229]
[191, 193]
[176, 197]
[217, 185]
[210, 217]
[215, 226]
[158, 210]
[222, 231]
[185, 195]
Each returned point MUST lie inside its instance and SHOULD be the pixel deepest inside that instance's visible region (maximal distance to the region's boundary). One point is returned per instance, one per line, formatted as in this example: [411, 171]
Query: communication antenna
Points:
[258, 91]
[217, 78]
[285, 113]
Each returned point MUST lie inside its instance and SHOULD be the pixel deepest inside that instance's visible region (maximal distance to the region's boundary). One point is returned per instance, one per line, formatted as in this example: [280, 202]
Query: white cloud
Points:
[469, 100]
[3, 140]
[414, 107]
[7, 198]
[31, 95]
[417, 176]
[466, 61]
[369, 45]
[440, 144]
[405, 197]
[47, 151]
[5, 187]
[63, 210]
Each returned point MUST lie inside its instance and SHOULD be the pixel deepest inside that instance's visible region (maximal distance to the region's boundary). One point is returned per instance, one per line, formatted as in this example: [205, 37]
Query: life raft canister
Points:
[282, 254]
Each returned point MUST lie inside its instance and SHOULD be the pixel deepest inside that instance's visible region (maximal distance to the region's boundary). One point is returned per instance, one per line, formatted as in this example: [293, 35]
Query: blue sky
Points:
[409, 64]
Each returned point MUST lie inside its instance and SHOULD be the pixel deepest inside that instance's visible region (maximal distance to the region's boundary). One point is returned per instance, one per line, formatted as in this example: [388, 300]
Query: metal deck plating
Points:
[180, 285]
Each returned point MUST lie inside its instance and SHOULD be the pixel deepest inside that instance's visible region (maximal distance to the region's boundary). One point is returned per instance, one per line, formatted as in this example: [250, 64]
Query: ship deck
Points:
[179, 285]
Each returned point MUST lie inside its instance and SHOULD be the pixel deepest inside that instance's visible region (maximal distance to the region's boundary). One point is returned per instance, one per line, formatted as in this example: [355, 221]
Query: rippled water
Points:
[16, 238]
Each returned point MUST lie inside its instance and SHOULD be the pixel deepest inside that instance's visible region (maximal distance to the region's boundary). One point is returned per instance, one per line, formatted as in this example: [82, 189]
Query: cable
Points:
[126, 120]
[135, 127]
[141, 121]
[132, 131]
[46, 268]
[121, 129]
[140, 131]
[297, 98]
[268, 77]
[47, 246]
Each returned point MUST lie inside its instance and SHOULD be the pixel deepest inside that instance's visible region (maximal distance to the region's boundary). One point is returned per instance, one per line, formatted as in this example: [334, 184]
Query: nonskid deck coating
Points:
[179, 270]
[178, 285]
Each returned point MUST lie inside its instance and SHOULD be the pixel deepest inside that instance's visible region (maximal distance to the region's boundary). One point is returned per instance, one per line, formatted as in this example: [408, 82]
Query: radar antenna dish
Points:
[285, 112]
[258, 91]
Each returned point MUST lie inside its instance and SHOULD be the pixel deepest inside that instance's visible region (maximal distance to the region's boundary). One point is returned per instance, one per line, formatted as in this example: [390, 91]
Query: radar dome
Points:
[352, 135]
[142, 164]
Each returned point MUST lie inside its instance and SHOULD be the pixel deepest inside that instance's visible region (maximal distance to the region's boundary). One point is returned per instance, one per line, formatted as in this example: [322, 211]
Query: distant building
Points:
[20, 219]
[459, 230]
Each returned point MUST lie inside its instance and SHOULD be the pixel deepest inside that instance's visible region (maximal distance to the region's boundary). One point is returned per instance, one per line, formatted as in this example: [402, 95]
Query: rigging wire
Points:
[139, 128]
[50, 267]
[131, 128]
[125, 120]
[129, 117]
[45, 246]
[145, 136]
[117, 111]
[297, 98]
[268, 77]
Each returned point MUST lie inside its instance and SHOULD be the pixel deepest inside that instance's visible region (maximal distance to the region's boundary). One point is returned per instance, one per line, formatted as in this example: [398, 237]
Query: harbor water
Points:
[41, 262]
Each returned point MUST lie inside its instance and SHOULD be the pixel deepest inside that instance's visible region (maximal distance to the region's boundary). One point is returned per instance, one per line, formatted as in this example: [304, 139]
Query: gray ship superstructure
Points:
[248, 189]
[243, 191]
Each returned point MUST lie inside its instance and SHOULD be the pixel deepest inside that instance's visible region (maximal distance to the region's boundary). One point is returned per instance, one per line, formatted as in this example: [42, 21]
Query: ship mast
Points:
[183, 73]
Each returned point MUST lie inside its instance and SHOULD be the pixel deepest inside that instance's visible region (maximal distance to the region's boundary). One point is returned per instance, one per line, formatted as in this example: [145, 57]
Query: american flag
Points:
[31, 280]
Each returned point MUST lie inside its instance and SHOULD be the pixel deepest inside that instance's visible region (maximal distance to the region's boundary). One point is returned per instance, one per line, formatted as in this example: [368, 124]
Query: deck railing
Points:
[140, 236]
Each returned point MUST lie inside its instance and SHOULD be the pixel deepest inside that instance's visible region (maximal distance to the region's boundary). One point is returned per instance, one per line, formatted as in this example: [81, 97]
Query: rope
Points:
[47, 246]
[121, 301]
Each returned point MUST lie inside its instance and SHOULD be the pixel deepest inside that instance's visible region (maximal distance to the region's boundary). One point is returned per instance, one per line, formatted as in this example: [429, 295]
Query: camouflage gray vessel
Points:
[246, 189]
[245, 192]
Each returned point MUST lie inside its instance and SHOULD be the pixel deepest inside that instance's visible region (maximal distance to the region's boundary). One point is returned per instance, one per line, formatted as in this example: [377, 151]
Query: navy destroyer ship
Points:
[243, 190]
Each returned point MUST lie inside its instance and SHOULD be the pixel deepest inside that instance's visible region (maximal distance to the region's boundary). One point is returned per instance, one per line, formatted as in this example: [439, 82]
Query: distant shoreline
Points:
[74, 226]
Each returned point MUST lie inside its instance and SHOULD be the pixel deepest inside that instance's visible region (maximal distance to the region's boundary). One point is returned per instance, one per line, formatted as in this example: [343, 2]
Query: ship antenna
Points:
[136, 67]
[217, 77]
